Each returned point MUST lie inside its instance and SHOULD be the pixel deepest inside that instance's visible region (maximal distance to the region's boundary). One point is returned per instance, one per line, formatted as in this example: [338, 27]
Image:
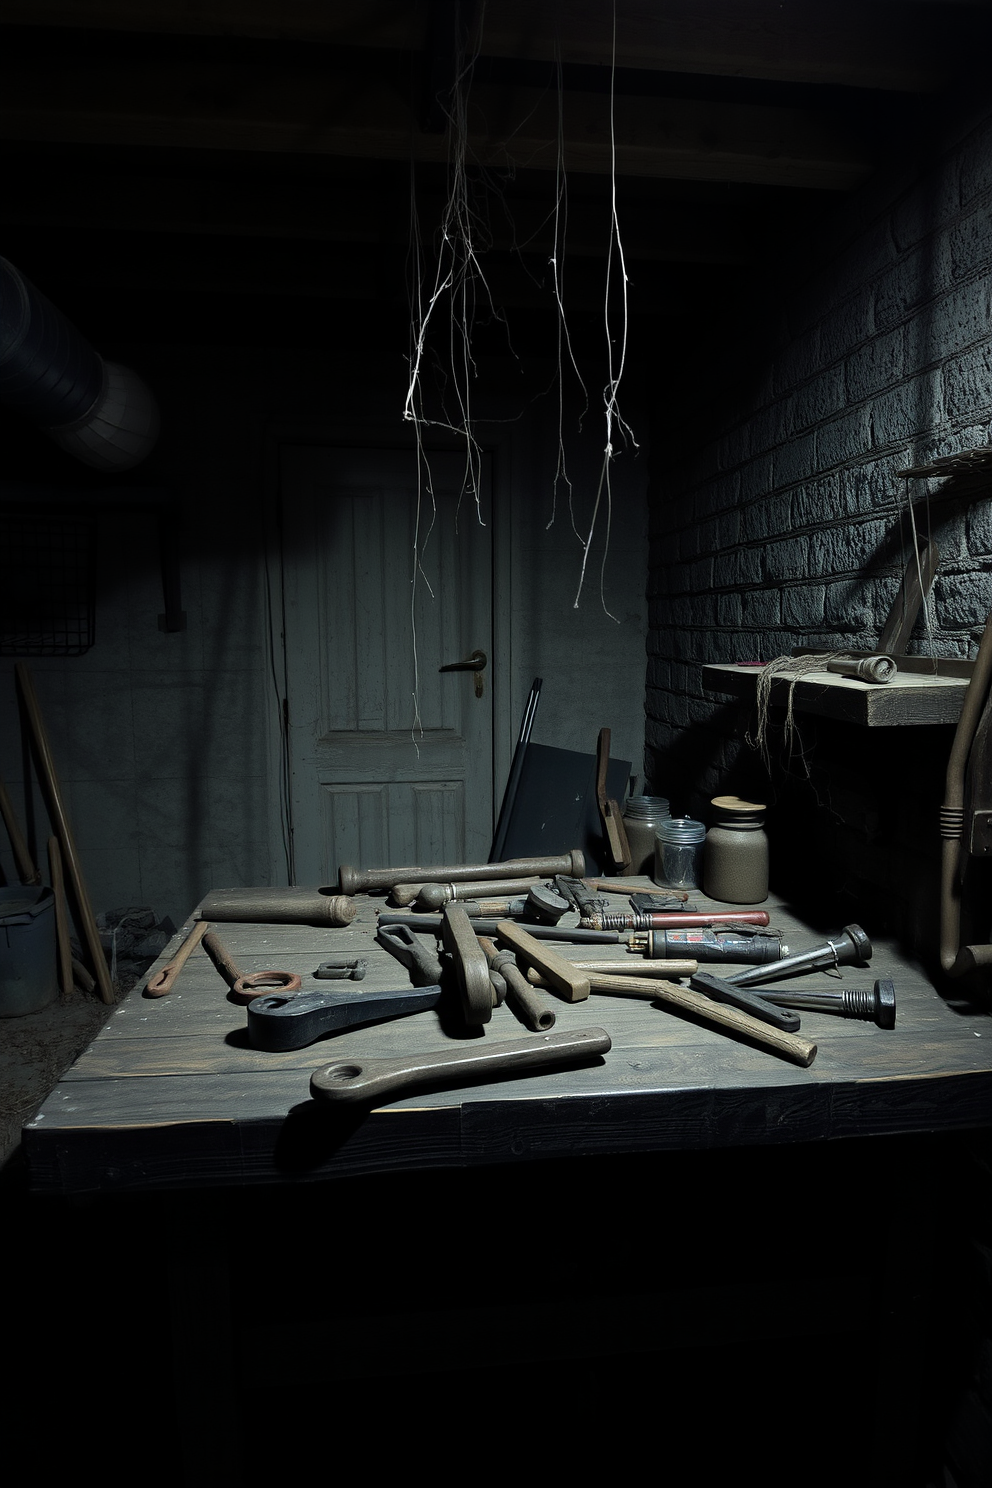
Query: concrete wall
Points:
[789, 527]
[167, 744]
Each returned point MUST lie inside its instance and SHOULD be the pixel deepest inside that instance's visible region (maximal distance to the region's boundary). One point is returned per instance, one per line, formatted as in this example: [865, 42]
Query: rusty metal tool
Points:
[688, 919]
[483, 925]
[401, 942]
[372, 1079]
[469, 964]
[609, 811]
[531, 1009]
[341, 968]
[740, 997]
[571, 984]
[292, 906]
[378, 880]
[843, 949]
[244, 988]
[276, 1023]
[725, 1019]
[706, 945]
[163, 981]
[877, 1006]
[580, 896]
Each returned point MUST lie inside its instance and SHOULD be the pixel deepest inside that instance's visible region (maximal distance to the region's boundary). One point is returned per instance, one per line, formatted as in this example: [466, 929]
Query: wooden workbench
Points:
[171, 1096]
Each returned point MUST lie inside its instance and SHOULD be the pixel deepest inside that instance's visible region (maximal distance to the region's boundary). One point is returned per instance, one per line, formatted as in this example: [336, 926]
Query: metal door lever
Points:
[474, 663]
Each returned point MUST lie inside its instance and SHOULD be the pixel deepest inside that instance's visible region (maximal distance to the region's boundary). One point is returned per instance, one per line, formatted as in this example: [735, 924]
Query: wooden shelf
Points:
[910, 698]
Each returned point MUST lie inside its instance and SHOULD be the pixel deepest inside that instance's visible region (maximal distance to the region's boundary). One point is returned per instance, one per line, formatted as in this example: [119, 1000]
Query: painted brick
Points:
[756, 480]
[917, 280]
[701, 575]
[658, 672]
[787, 559]
[954, 321]
[795, 461]
[875, 365]
[764, 518]
[962, 599]
[844, 438]
[802, 605]
[931, 205]
[905, 410]
[729, 611]
[841, 550]
[816, 501]
[847, 326]
[976, 165]
[797, 361]
[980, 528]
[871, 485]
[818, 399]
[968, 241]
[761, 608]
[967, 380]
[846, 605]
[742, 567]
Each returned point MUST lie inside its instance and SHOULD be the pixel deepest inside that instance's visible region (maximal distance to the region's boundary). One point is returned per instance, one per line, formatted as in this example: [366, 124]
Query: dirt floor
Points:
[35, 1051]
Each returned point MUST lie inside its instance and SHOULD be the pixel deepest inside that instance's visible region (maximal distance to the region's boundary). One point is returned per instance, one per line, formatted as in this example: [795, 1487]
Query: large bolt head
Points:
[885, 1004]
[859, 940]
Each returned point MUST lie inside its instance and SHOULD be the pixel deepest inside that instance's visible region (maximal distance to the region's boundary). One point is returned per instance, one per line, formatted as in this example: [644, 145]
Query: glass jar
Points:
[735, 864]
[642, 816]
[678, 853]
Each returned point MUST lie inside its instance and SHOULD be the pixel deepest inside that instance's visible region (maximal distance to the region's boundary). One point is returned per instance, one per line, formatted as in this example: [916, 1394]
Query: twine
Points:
[792, 669]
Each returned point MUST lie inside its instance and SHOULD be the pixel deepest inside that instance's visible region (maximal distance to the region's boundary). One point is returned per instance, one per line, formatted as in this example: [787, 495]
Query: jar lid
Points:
[734, 803]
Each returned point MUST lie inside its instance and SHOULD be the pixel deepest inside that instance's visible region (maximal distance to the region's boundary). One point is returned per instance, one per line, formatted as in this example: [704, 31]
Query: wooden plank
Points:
[819, 42]
[911, 699]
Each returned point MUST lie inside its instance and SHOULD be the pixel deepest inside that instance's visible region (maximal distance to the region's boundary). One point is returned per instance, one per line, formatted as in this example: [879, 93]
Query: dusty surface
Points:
[35, 1051]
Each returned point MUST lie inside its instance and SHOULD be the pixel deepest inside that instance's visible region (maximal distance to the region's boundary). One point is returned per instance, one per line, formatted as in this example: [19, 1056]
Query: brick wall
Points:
[788, 525]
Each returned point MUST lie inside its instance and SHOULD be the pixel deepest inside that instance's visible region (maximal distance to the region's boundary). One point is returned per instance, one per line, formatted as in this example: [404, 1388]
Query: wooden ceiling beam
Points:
[313, 111]
[851, 43]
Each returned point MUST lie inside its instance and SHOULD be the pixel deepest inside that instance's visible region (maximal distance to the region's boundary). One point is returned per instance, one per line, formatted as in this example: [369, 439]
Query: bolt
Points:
[850, 944]
[877, 1006]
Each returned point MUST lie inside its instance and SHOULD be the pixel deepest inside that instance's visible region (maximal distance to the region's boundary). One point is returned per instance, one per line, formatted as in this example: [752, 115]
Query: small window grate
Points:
[47, 583]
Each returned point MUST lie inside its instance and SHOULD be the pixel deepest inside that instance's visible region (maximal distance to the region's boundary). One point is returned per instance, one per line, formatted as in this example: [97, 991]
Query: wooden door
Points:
[373, 783]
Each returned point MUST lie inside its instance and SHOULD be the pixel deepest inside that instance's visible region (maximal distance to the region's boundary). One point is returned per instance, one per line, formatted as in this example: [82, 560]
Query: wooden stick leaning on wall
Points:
[63, 832]
[62, 939]
[26, 871]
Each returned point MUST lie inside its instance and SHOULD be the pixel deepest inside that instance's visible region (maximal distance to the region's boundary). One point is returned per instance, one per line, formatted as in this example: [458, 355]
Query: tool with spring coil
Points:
[707, 945]
[678, 919]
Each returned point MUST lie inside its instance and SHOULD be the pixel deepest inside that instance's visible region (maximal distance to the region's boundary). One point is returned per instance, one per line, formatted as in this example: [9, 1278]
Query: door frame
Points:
[375, 435]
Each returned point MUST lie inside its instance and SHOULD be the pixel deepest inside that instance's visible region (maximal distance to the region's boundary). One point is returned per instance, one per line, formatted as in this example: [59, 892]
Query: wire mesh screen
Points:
[47, 583]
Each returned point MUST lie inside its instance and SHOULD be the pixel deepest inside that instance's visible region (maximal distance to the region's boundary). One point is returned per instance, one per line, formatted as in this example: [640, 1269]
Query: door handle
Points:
[474, 663]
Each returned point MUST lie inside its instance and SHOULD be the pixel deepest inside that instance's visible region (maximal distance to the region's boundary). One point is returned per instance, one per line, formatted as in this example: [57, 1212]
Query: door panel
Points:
[367, 786]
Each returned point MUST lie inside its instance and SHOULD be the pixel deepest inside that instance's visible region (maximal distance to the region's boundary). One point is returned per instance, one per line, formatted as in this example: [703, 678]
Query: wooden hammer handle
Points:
[561, 974]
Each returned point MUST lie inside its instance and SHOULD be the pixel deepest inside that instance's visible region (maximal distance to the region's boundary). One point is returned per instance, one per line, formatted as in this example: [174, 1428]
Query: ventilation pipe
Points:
[98, 411]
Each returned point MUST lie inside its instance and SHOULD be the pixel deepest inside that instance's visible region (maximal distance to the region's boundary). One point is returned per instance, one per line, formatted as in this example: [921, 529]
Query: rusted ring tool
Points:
[277, 1023]
[163, 981]
[244, 988]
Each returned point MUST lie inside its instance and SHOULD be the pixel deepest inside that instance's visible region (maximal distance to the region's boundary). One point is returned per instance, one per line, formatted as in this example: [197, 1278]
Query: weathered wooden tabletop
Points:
[170, 1095]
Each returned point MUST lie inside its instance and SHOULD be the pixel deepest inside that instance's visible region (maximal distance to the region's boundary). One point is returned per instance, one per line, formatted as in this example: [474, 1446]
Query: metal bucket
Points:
[28, 961]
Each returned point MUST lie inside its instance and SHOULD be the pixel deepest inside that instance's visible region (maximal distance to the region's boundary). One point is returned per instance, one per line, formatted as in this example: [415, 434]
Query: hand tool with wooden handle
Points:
[740, 997]
[469, 964]
[434, 896]
[163, 981]
[483, 925]
[370, 1079]
[609, 812]
[276, 1023]
[246, 988]
[278, 906]
[378, 880]
[724, 1019]
[571, 984]
[63, 938]
[621, 968]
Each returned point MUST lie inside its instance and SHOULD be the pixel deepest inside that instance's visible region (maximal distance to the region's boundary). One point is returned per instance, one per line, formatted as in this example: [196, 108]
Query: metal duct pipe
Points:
[98, 411]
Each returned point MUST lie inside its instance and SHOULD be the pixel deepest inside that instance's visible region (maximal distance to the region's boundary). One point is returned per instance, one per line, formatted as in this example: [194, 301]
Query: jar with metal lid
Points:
[642, 816]
[678, 853]
[735, 863]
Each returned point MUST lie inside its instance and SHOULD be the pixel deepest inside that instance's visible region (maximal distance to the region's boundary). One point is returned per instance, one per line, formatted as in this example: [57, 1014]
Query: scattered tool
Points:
[706, 945]
[244, 988]
[531, 1009]
[617, 847]
[622, 968]
[67, 843]
[850, 945]
[653, 903]
[378, 880]
[434, 896]
[291, 906]
[163, 981]
[401, 942]
[740, 997]
[726, 1019]
[864, 668]
[341, 968]
[578, 893]
[371, 1079]
[276, 1023]
[573, 985]
[679, 919]
[483, 925]
[63, 939]
[630, 885]
[469, 964]
[877, 1006]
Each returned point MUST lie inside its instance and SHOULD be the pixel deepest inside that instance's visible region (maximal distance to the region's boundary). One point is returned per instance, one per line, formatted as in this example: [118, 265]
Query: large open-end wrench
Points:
[276, 1023]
